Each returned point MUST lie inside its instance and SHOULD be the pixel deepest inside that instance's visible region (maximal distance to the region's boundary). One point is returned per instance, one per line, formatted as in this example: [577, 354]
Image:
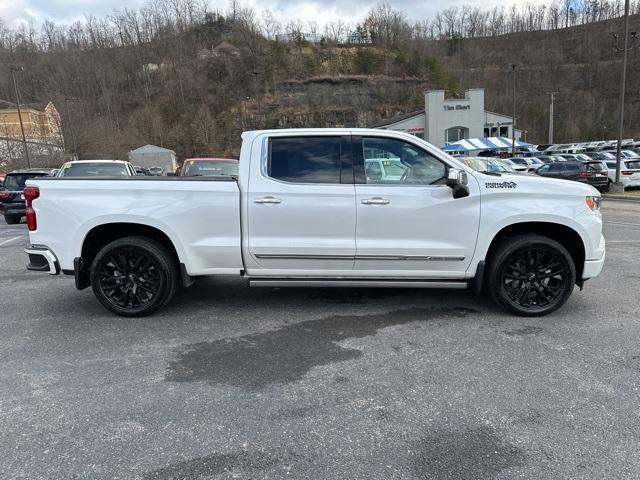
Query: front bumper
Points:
[41, 259]
[592, 268]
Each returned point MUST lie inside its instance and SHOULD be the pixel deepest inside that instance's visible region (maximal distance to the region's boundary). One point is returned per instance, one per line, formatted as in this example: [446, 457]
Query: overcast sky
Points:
[67, 11]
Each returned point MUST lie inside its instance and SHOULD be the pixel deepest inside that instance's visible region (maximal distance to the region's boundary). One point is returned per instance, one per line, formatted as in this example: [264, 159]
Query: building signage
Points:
[457, 107]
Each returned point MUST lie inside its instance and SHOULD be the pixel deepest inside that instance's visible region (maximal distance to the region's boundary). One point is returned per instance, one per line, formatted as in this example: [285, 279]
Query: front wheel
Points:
[133, 276]
[12, 219]
[531, 275]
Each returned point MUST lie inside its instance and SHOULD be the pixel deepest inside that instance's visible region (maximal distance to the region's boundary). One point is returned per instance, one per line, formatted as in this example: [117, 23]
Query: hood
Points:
[529, 183]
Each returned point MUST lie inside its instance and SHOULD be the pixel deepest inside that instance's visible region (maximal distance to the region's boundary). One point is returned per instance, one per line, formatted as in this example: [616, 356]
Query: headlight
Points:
[593, 202]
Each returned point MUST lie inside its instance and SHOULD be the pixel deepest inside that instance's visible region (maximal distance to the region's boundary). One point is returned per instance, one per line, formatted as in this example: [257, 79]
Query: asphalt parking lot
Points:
[232, 382]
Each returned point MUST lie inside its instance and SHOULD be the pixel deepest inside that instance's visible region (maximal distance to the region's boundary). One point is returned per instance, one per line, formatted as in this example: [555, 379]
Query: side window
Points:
[556, 167]
[400, 163]
[305, 159]
[544, 169]
[573, 167]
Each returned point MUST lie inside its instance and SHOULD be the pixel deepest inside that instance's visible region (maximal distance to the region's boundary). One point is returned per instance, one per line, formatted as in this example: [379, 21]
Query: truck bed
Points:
[200, 215]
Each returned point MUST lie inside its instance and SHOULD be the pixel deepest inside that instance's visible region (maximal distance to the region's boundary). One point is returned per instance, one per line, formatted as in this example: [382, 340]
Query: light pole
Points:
[617, 186]
[513, 120]
[553, 94]
[15, 88]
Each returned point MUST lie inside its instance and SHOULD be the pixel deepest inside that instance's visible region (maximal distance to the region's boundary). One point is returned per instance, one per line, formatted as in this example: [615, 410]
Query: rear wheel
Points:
[531, 275]
[12, 219]
[133, 276]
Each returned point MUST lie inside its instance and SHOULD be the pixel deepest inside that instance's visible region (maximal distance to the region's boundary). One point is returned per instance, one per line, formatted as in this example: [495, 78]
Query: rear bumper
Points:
[41, 259]
[13, 209]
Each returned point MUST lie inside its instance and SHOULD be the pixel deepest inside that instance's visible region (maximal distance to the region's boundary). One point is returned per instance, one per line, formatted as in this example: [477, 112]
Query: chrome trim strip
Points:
[278, 282]
[286, 256]
[435, 258]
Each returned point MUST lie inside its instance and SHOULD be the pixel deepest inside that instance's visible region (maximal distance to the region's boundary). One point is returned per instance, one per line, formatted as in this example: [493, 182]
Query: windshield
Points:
[17, 181]
[93, 170]
[212, 168]
[519, 161]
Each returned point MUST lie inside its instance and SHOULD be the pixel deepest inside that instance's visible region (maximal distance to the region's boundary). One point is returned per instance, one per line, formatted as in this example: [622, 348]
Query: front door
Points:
[408, 223]
[301, 208]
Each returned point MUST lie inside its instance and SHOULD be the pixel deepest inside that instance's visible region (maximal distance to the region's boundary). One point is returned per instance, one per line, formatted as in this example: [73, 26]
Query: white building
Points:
[149, 156]
[446, 120]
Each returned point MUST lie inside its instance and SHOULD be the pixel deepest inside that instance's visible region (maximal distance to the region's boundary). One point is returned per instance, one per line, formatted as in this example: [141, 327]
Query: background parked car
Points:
[593, 173]
[525, 164]
[12, 204]
[602, 156]
[141, 170]
[629, 172]
[97, 168]
[193, 167]
[519, 164]
[630, 154]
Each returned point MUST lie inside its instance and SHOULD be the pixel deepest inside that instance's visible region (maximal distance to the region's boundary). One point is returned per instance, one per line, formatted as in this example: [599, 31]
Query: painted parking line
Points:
[6, 242]
[624, 223]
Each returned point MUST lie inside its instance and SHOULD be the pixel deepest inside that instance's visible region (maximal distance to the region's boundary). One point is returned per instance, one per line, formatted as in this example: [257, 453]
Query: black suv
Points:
[12, 204]
[594, 173]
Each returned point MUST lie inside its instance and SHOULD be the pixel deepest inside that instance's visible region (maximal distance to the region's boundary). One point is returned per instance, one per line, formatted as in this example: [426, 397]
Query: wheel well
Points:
[101, 235]
[565, 236]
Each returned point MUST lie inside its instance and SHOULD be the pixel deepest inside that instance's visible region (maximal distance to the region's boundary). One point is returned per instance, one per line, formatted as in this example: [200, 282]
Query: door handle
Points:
[267, 200]
[375, 201]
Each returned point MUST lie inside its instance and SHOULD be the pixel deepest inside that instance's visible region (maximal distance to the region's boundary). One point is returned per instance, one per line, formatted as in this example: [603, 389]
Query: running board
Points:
[325, 282]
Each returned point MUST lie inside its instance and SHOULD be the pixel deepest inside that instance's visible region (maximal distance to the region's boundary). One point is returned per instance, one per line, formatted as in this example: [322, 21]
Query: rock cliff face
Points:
[350, 101]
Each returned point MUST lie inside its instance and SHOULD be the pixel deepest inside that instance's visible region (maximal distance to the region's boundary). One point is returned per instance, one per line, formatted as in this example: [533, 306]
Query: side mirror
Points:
[457, 180]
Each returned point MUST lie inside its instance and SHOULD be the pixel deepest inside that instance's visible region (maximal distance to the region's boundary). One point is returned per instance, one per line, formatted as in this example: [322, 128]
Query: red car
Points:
[194, 167]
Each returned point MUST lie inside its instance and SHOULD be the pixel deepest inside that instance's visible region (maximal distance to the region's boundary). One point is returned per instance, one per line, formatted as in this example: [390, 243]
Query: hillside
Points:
[183, 92]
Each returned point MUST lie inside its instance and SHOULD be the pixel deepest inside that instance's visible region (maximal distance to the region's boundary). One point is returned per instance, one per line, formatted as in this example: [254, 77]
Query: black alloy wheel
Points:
[133, 276]
[532, 275]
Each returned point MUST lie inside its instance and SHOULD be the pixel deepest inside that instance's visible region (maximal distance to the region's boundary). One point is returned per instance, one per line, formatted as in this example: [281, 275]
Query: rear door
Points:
[410, 225]
[301, 207]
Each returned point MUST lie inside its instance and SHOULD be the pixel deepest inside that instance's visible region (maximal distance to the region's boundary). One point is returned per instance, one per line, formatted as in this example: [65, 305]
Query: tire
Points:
[134, 276]
[12, 219]
[531, 275]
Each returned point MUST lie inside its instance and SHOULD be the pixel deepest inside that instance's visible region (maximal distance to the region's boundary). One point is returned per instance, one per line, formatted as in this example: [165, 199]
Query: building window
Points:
[453, 134]
[504, 131]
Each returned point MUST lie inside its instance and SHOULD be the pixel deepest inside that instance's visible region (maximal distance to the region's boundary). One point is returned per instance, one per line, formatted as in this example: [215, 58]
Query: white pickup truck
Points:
[306, 209]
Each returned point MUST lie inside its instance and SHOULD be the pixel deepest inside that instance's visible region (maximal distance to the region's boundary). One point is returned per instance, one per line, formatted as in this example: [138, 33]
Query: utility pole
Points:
[553, 94]
[617, 186]
[513, 120]
[15, 88]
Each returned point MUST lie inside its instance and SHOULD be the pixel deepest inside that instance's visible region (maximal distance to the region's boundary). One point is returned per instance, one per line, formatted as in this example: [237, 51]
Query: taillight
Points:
[627, 172]
[5, 195]
[586, 174]
[30, 194]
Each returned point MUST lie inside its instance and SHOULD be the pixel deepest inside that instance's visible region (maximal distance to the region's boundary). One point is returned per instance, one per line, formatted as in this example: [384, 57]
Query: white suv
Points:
[629, 172]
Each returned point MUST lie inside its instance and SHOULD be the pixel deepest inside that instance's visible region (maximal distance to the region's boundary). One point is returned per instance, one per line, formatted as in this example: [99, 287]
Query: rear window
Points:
[595, 166]
[305, 159]
[635, 165]
[17, 181]
[205, 168]
[93, 170]
[519, 161]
